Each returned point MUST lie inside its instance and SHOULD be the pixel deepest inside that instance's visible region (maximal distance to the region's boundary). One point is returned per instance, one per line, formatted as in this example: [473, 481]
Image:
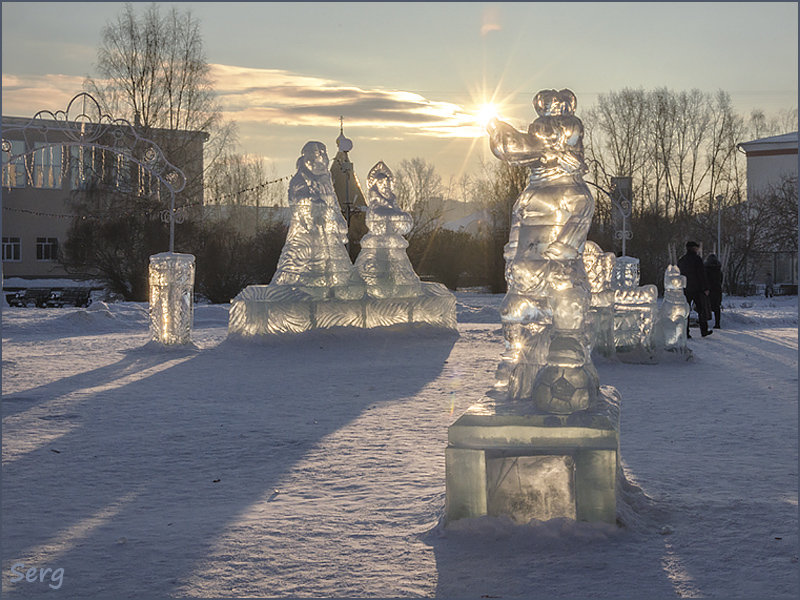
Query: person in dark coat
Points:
[696, 290]
[714, 278]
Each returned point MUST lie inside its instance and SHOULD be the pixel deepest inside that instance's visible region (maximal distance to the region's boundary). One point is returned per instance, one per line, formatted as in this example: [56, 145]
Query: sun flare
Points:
[486, 113]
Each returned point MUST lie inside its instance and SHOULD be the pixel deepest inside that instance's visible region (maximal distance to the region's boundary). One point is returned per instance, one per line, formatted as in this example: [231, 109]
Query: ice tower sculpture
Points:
[316, 286]
[599, 267]
[635, 310]
[673, 314]
[546, 443]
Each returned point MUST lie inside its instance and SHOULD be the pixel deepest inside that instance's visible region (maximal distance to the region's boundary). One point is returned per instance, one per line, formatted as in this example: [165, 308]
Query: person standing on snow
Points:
[714, 278]
[769, 290]
[696, 290]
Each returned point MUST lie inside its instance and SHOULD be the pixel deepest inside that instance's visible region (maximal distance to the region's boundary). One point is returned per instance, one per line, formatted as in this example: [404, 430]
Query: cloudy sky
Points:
[410, 78]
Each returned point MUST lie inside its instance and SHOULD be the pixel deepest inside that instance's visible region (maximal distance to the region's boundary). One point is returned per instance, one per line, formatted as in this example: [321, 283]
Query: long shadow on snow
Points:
[131, 362]
[177, 456]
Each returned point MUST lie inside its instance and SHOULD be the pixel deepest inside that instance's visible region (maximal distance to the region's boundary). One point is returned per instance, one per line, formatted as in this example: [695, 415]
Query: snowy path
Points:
[315, 467]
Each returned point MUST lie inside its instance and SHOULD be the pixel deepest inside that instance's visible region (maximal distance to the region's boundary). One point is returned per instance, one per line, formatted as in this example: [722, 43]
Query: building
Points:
[349, 194]
[770, 162]
[47, 161]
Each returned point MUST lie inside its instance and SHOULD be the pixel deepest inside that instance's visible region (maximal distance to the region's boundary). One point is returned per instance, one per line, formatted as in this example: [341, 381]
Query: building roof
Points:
[784, 144]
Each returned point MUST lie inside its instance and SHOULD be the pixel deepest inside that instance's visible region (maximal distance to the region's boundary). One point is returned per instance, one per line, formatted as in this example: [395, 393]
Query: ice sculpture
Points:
[544, 310]
[314, 259]
[382, 262]
[546, 444]
[171, 297]
[599, 267]
[674, 314]
[635, 309]
[316, 286]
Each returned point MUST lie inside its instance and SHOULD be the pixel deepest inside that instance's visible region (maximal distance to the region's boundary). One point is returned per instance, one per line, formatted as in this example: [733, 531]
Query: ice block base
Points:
[261, 310]
[504, 459]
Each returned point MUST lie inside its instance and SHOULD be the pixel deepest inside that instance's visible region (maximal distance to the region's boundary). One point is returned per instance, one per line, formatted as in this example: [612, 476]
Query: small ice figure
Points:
[634, 311]
[599, 267]
[314, 259]
[171, 297]
[674, 313]
[383, 263]
[548, 293]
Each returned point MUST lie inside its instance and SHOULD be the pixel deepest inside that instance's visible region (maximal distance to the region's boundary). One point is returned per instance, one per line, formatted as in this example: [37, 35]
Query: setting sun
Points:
[486, 113]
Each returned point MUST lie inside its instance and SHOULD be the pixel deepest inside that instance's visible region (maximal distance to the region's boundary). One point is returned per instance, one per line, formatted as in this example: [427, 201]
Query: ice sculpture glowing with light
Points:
[599, 267]
[315, 285]
[171, 297]
[635, 310]
[314, 259]
[546, 443]
[544, 311]
[674, 313]
[383, 263]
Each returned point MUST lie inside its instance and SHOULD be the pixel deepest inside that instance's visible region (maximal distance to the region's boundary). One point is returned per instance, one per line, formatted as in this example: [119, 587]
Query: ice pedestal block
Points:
[504, 459]
[171, 297]
[263, 310]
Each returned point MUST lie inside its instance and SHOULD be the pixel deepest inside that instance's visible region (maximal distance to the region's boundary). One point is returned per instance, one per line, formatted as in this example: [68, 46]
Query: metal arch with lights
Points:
[84, 124]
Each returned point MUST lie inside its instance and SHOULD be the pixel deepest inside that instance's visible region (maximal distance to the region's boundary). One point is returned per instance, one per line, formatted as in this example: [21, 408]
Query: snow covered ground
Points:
[314, 466]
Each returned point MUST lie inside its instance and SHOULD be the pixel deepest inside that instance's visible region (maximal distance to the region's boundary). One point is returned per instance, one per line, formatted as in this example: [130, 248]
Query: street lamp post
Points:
[621, 193]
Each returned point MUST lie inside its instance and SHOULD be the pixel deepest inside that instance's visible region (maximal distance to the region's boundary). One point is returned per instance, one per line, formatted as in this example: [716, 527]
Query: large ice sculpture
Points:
[599, 267]
[316, 286]
[383, 263]
[171, 297]
[544, 310]
[635, 309]
[546, 444]
[674, 314]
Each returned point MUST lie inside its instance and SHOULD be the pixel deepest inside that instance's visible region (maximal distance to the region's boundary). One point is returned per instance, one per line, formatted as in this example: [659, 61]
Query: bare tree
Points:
[153, 71]
[420, 191]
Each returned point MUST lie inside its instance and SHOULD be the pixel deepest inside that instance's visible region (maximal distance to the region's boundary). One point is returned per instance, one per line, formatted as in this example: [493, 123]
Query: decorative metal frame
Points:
[83, 124]
[623, 204]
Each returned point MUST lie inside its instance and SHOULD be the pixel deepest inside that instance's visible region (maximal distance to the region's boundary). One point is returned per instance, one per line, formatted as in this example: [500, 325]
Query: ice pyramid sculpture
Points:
[316, 286]
[545, 444]
[673, 315]
[635, 311]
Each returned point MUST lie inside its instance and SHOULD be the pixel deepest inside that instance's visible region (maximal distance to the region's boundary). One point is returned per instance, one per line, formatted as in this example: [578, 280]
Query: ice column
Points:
[634, 312]
[599, 267]
[674, 313]
[171, 297]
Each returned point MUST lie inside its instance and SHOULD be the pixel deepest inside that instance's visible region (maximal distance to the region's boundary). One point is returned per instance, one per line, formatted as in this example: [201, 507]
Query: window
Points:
[47, 166]
[11, 249]
[46, 248]
[14, 165]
